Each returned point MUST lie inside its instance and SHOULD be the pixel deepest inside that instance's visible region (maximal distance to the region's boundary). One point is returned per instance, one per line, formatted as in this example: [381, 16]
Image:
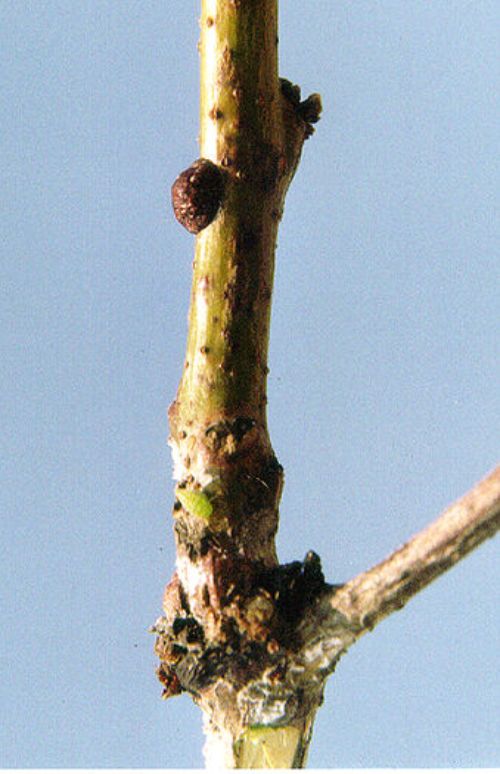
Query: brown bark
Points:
[342, 615]
[374, 594]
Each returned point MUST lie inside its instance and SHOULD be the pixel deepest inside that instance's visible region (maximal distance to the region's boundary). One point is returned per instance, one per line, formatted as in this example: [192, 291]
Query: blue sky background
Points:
[383, 391]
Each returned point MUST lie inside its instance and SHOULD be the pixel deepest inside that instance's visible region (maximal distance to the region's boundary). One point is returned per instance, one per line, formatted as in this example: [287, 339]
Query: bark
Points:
[374, 594]
[342, 615]
[250, 640]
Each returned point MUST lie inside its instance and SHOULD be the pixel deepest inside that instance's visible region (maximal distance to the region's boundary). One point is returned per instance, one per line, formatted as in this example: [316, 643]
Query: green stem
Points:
[254, 133]
[229, 481]
[243, 131]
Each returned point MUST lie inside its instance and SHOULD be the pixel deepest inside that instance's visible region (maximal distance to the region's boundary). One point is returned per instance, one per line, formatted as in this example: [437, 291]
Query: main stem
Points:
[225, 373]
[218, 422]
[229, 480]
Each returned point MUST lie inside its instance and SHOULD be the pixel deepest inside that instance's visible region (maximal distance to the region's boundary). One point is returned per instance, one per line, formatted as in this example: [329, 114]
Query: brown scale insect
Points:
[197, 194]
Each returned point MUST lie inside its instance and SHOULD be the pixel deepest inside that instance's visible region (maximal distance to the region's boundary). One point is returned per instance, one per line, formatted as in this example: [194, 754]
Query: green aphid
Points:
[195, 503]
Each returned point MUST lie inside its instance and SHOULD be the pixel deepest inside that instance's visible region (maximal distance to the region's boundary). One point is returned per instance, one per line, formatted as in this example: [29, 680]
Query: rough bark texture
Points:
[342, 615]
[374, 594]
[250, 640]
[230, 610]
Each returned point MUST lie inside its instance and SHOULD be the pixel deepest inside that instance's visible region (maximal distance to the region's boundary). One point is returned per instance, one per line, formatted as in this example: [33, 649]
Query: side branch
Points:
[374, 594]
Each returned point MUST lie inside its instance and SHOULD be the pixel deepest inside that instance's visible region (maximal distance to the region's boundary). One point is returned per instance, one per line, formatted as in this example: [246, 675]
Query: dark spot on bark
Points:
[230, 292]
[178, 650]
[169, 680]
[196, 671]
[215, 113]
[247, 239]
[190, 533]
[178, 625]
[237, 427]
[266, 167]
[294, 586]
[241, 426]
[188, 631]
[278, 673]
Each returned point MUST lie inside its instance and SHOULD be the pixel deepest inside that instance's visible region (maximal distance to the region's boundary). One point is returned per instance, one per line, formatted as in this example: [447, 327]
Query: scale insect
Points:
[195, 503]
[197, 195]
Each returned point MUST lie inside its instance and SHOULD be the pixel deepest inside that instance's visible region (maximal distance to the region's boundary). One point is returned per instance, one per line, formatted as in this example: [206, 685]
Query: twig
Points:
[371, 596]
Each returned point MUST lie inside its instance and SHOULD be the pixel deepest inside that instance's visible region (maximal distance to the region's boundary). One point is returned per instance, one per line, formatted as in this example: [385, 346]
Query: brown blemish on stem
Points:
[215, 114]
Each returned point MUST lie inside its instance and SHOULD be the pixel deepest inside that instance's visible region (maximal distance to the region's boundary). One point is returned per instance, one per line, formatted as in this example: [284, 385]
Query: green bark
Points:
[243, 129]
[225, 627]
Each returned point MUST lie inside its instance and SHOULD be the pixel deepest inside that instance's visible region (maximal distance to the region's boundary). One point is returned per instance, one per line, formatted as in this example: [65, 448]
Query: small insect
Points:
[197, 194]
[195, 503]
